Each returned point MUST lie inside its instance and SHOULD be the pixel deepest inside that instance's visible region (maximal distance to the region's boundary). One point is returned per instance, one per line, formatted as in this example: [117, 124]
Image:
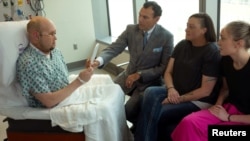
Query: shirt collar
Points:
[150, 30]
[40, 52]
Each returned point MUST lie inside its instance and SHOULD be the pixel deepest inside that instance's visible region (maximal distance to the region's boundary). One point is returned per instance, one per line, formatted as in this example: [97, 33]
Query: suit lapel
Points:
[152, 37]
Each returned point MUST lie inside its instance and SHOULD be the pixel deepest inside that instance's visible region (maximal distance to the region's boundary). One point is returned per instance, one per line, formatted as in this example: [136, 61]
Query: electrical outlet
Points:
[28, 1]
[75, 46]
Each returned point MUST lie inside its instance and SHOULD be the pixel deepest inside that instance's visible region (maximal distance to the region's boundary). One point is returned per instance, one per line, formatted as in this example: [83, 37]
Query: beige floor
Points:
[4, 125]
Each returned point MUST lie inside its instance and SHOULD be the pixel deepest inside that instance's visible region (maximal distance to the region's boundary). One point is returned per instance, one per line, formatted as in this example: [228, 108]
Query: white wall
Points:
[74, 23]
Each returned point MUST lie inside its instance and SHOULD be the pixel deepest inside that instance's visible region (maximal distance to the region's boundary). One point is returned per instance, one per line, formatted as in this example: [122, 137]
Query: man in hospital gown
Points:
[43, 76]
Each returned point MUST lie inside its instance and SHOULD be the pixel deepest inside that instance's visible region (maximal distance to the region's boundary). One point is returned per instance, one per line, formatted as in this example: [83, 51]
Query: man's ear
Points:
[35, 35]
[157, 18]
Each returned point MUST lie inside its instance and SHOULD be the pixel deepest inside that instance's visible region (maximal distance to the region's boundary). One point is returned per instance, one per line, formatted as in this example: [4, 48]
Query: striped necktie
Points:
[145, 39]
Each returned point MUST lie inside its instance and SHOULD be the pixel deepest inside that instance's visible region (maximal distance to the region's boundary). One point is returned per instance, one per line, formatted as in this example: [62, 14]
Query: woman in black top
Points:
[233, 104]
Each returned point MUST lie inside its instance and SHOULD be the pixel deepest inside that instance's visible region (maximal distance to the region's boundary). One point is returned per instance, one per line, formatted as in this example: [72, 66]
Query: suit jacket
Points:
[150, 61]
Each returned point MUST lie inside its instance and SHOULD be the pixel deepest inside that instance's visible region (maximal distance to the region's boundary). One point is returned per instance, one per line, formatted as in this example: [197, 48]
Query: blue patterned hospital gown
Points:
[38, 74]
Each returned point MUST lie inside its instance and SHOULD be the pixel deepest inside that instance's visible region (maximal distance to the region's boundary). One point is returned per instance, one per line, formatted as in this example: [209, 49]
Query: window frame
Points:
[103, 31]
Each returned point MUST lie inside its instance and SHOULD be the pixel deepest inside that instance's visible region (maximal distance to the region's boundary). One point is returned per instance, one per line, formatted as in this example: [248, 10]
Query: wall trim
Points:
[76, 65]
[110, 67]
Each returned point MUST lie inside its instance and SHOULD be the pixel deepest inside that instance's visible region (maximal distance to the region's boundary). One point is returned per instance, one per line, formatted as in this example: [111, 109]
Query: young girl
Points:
[233, 104]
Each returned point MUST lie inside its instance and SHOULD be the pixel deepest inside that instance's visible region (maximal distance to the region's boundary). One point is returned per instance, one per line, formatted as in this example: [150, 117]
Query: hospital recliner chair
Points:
[24, 123]
[38, 130]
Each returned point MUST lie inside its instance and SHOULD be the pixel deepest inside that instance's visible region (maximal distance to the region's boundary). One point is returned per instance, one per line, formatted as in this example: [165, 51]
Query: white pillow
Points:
[13, 38]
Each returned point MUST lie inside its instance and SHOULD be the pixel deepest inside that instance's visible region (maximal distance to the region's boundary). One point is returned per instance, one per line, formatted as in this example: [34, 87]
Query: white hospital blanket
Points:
[98, 107]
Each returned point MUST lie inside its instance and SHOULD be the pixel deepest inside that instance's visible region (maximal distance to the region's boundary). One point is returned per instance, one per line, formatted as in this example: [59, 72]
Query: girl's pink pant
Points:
[194, 127]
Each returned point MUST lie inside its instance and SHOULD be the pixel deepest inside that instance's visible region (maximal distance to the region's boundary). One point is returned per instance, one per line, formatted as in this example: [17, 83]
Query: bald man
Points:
[41, 70]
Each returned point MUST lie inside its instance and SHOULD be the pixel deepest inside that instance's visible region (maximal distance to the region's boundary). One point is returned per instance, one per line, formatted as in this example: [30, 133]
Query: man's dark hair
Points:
[156, 8]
